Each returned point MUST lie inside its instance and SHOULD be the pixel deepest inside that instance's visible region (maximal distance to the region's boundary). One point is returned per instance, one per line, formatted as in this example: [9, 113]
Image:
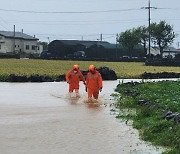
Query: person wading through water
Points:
[93, 83]
[73, 77]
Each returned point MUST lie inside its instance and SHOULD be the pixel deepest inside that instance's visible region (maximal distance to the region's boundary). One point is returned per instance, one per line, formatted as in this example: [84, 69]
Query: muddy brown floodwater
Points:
[39, 118]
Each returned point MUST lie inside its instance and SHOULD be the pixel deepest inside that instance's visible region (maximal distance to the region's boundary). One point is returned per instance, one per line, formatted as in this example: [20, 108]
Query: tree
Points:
[162, 35]
[44, 44]
[129, 39]
[143, 34]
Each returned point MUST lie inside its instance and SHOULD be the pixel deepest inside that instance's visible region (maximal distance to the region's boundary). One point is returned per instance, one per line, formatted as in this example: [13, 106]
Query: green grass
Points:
[152, 127]
[59, 67]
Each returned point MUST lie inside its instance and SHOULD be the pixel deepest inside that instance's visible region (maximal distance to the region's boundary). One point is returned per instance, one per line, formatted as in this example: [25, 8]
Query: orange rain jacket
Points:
[73, 79]
[93, 84]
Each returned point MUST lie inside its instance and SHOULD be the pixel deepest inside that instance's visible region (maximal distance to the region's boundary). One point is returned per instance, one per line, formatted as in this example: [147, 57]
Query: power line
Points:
[9, 27]
[3, 21]
[70, 36]
[44, 23]
[78, 24]
[68, 12]
[168, 8]
[3, 26]
[69, 21]
[81, 12]
[74, 34]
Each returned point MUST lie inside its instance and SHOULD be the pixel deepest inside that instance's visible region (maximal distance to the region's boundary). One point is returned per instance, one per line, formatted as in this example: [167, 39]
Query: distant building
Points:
[18, 42]
[91, 49]
[170, 52]
[154, 51]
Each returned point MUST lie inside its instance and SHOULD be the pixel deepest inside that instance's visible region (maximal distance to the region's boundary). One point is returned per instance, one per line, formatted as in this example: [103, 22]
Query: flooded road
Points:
[39, 118]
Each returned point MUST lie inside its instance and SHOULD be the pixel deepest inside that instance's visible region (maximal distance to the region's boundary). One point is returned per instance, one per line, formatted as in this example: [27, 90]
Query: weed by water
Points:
[158, 99]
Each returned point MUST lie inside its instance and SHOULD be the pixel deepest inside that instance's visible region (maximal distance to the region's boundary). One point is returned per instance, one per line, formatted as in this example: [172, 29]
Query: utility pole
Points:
[117, 36]
[149, 23]
[14, 39]
[22, 43]
[101, 37]
[48, 39]
[36, 46]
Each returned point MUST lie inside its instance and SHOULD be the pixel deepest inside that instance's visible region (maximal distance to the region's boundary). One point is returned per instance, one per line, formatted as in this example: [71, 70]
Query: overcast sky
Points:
[84, 19]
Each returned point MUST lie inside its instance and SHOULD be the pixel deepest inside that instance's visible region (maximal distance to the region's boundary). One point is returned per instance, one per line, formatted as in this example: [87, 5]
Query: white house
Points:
[154, 50]
[170, 51]
[18, 42]
[167, 52]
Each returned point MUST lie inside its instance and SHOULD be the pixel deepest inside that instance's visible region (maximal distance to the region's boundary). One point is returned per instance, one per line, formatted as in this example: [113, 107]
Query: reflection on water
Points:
[93, 106]
[41, 118]
[83, 100]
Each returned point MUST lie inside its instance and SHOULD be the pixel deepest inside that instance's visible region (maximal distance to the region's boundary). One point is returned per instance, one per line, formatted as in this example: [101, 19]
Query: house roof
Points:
[171, 49]
[20, 35]
[110, 46]
[88, 43]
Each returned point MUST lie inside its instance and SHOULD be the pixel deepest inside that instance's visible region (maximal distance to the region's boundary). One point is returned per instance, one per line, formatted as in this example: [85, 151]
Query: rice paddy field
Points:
[59, 67]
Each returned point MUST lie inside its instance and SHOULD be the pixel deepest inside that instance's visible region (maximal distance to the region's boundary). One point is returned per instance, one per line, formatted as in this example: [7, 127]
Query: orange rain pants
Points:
[93, 84]
[73, 79]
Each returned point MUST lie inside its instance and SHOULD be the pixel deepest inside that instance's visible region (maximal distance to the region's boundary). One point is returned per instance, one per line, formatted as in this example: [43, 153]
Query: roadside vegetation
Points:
[55, 68]
[154, 109]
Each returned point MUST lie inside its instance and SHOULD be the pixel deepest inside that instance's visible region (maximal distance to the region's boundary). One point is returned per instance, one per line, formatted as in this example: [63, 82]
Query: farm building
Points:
[18, 42]
[91, 49]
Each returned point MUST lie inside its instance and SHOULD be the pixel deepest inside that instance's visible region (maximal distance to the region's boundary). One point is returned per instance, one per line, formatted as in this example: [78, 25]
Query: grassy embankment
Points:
[149, 118]
[54, 68]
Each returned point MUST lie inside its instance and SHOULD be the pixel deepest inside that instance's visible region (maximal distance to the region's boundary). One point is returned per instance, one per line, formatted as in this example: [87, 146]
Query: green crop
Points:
[59, 67]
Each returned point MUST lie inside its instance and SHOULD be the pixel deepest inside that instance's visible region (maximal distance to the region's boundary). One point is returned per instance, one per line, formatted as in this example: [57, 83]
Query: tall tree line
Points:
[161, 35]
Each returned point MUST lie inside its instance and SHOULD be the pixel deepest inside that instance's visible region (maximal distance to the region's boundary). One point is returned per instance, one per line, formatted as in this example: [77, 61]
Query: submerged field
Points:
[155, 111]
[59, 67]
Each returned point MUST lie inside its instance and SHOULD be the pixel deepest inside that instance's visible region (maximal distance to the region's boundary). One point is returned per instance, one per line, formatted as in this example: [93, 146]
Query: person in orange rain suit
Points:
[73, 77]
[93, 83]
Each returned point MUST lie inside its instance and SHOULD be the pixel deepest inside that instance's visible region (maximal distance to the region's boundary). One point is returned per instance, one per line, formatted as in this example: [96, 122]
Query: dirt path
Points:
[37, 118]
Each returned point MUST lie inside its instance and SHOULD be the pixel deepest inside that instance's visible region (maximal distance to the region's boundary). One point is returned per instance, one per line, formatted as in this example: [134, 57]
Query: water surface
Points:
[39, 118]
